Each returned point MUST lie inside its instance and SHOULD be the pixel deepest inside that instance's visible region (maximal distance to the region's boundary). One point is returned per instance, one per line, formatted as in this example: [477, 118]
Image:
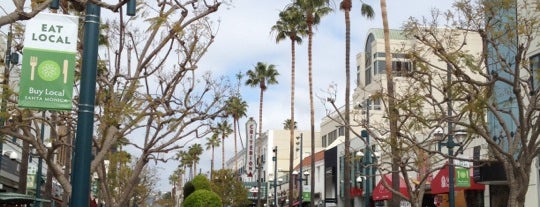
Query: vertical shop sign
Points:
[251, 127]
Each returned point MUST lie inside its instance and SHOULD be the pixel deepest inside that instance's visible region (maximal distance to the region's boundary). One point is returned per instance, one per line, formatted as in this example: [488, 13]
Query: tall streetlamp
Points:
[299, 143]
[450, 144]
[367, 154]
[40, 165]
[85, 119]
[274, 158]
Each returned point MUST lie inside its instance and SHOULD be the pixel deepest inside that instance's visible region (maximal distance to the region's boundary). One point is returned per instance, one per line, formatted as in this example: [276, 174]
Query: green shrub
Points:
[201, 183]
[202, 198]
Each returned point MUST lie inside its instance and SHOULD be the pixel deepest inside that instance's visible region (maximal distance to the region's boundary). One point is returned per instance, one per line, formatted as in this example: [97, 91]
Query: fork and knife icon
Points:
[34, 64]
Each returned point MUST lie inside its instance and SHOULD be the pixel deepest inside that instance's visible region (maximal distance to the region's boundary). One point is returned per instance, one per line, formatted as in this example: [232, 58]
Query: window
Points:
[341, 131]
[401, 68]
[324, 143]
[357, 75]
[368, 75]
[376, 104]
[380, 67]
[332, 137]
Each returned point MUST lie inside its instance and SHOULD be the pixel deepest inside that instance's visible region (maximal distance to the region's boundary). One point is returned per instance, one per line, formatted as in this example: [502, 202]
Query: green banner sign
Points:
[306, 192]
[462, 177]
[48, 63]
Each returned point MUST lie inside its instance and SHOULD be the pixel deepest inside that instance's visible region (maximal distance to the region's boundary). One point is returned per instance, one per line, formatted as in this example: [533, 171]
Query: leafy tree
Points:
[231, 190]
[200, 182]
[202, 198]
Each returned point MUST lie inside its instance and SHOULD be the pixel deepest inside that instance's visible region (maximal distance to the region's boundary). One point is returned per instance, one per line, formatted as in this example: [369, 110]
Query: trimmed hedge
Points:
[202, 198]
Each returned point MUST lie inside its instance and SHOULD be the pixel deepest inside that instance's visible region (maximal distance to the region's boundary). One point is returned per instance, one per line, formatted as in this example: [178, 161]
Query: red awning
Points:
[439, 185]
[296, 203]
[382, 193]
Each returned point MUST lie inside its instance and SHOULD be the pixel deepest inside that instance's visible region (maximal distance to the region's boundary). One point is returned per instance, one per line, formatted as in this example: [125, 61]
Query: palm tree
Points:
[211, 143]
[292, 25]
[186, 161]
[314, 10]
[288, 125]
[262, 75]
[223, 129]
[195, 152]
[392, 111]
[367, 11]
[237, 108]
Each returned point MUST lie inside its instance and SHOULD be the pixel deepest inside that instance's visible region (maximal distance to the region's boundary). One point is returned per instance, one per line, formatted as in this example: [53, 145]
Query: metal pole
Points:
[85, 123]
[40, 165]
[275, 176]
[450, 144]
[367, 158]
[301, 172]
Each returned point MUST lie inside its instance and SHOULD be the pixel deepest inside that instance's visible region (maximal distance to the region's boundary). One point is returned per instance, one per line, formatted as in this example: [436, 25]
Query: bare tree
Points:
[150, 93]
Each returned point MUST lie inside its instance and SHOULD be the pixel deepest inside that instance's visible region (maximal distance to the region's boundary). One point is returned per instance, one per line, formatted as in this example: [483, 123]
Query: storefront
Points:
[468, 193]
[381, 194]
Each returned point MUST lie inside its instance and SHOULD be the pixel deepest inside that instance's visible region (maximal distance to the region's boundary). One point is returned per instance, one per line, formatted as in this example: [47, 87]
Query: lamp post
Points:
[274, 158]
[40, 165]
[85, 121]
[450, 144]
[299, 143]
[367, 154]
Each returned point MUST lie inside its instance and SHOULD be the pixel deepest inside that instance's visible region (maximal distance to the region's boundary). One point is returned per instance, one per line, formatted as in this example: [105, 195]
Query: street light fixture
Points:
[274, 158]
[450, 144]
[367, 154]
[299, 144]
[306, 175]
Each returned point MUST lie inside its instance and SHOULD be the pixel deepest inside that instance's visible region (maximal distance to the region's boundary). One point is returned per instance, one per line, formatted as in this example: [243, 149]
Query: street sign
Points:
[462, 177]
[306, 192]
[48, 63]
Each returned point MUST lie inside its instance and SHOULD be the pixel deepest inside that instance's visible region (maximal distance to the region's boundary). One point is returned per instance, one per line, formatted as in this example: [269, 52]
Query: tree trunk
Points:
[222, 152]
[235, 147]
[23, 173]
[347, 167]
[311, 110]
[259, 163]
[212, 164]
[291, 129]
[392, 111]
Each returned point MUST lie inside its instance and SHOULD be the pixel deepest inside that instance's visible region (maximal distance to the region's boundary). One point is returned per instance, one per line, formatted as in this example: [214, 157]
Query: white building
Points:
[266, 143]
[368, 112]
